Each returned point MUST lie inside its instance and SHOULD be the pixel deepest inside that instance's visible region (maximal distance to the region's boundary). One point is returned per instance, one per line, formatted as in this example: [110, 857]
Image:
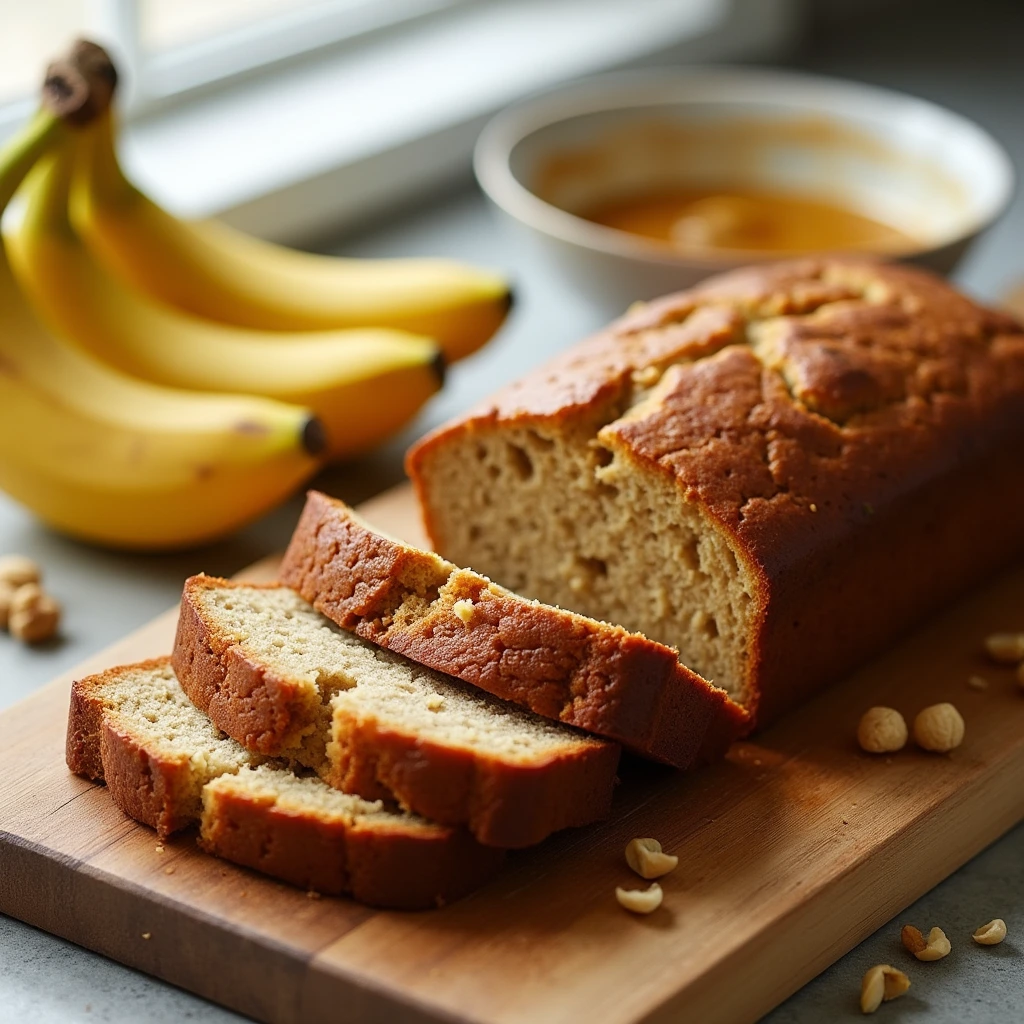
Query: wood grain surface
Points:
[791, 852]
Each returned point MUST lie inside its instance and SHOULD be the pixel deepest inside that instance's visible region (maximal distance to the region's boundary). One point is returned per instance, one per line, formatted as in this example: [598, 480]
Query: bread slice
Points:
[133, 728]
[166, 765]
[283, 680]
[573, 669]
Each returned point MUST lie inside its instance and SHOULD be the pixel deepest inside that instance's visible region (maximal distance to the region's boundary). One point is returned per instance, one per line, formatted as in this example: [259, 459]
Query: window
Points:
[166, 48]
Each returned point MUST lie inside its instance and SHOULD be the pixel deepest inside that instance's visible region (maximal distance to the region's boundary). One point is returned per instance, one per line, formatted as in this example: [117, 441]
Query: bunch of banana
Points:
[182, 378]
[117, 460]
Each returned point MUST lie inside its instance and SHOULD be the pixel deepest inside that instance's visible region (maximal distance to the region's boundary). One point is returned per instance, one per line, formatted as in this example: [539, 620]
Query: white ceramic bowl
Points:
[927, 171]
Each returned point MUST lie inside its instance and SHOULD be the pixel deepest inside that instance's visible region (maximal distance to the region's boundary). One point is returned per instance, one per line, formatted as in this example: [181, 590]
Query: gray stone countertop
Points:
[964, 56]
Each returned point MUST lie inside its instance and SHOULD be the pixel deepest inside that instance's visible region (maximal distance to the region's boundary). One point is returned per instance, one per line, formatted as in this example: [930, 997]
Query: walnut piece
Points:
[991, 934]
[1005, 648]
[939, 728]
[464, 610]
[19, 570]
[880, 984]
[935, 947]
[640, 901]
[646, 858]
[881, 731]
[34, 615]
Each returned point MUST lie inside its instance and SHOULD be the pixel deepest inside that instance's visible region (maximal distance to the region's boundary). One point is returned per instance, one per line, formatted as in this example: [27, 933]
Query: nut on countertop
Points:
[991, 934]
[935, 947]
[880, 984]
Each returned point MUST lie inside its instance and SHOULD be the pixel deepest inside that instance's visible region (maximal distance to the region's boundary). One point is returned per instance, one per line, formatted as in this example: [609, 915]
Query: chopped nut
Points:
[640, 901]
[646, 858]
[935, 947]
[169, 871]
[464, 610]
[19, 570]
[647, 377]
[881, 731]
[939, 728]
[814, 508]
[34, 615]
[880, 984]
[1005, 648]
[991, 934]
[147, 935]
[977, 682]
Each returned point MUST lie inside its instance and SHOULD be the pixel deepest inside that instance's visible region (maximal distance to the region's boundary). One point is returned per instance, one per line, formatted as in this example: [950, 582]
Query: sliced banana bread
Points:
[573, 669]
[166, 765]
[776, 473]
[283, 680]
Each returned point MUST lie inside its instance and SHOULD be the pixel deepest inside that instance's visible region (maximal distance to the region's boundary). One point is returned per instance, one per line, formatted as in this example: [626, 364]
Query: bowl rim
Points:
[620, 90]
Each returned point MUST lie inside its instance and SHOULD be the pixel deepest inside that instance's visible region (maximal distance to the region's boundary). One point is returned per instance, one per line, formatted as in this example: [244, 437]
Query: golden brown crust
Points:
[402, 868]
[558, 664]
[148, 786]
[856, 428]
[503, 803]
[260, 709]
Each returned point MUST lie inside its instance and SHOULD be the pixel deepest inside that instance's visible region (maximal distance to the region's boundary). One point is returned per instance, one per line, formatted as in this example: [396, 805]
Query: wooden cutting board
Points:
[791, 852]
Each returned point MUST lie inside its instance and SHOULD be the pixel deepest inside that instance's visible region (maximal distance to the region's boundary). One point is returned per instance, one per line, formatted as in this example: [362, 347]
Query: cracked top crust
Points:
[791, 400]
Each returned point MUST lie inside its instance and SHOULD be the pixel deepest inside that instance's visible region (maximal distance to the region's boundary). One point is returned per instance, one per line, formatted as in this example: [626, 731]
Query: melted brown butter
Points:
[709, 187]
[709, 219]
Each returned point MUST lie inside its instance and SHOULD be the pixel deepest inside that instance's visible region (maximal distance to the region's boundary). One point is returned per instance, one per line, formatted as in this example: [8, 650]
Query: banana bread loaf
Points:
[279, 677]
[776, 472]
[166, 765]
[564, 666]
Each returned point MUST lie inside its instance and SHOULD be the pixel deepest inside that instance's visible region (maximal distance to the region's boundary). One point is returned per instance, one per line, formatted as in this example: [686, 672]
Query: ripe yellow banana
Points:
[213, 271]
[362, 383]
[110, 459]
